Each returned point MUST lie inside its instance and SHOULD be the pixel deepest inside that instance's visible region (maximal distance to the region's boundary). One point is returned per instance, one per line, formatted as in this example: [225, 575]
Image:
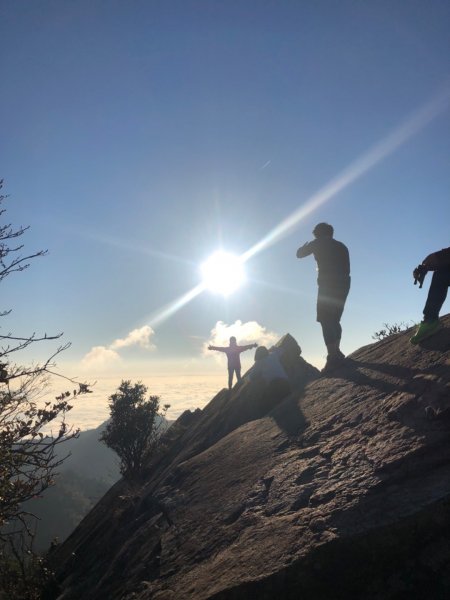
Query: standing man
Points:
[233, 352]
[333, 265]
[439, 262]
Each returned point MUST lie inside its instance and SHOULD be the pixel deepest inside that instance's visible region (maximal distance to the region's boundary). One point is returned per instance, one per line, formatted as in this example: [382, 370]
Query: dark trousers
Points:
[437, 294]
[232, 370]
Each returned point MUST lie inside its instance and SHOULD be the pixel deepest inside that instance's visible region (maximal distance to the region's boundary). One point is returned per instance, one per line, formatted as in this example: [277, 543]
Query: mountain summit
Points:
[341, 490]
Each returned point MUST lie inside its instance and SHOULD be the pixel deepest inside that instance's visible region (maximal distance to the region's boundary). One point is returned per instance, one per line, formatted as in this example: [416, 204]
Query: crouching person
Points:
[439, 263]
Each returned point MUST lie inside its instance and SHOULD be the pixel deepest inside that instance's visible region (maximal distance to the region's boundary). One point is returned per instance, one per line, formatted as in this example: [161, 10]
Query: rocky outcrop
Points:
[340, 490]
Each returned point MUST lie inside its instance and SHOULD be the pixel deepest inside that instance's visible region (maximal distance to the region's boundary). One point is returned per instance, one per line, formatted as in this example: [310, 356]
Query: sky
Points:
[138, 138]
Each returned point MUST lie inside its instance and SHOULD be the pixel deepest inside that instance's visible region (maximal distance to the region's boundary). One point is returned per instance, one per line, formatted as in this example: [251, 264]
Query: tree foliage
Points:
[135, 427]
[28, 457]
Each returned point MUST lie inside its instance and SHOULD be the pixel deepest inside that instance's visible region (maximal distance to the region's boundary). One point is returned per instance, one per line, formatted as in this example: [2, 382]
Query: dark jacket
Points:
[332, 257]
[438, 260]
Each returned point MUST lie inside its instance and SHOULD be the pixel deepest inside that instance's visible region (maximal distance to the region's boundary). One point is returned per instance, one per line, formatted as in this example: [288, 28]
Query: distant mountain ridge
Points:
[341, 490]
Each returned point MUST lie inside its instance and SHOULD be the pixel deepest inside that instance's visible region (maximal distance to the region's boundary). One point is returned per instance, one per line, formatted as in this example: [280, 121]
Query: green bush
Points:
[135, 427]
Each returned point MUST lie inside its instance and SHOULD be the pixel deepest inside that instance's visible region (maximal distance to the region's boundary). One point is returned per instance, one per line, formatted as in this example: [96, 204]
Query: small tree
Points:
[135, 427]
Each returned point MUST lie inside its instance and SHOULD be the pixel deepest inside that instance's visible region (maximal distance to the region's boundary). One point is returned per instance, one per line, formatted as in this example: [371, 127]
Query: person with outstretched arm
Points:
[333, 280]
[439, 263]
[233, 352]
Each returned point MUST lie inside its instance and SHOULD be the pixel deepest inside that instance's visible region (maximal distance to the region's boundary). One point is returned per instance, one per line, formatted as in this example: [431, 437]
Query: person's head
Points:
[232, 341]
[323, 230]
[260, 353]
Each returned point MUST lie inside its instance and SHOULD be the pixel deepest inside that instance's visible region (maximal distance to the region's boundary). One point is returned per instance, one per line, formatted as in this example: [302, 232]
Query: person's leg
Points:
[340, 299]
[339, 353]
[435, 299]
[230, 377]
[324, 316]
[330, 306]
[328, 333]
[238, 373]
[437, 294]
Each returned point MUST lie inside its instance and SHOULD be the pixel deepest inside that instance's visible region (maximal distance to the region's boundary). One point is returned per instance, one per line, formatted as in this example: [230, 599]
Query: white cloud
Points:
[137, 337]
[245, 333]
[100, 356]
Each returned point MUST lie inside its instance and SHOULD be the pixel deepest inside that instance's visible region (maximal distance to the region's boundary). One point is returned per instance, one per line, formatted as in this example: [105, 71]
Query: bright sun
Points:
[223, 273]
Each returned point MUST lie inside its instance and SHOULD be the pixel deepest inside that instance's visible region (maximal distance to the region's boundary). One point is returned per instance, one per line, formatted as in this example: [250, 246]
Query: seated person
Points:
[269, 369]
[267, 365]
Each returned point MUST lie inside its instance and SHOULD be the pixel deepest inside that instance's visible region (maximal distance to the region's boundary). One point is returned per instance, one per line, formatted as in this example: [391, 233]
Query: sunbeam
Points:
[167, 311]
[280, 288]
[415, 123]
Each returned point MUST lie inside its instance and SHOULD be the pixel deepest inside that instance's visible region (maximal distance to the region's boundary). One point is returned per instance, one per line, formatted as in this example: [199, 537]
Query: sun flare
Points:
[223, 273]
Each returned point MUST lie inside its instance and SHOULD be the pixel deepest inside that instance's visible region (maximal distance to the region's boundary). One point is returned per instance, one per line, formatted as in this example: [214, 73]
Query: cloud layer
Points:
[245, 333]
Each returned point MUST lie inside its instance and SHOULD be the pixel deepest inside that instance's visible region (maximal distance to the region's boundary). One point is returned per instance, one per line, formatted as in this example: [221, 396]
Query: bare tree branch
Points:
[28, 453]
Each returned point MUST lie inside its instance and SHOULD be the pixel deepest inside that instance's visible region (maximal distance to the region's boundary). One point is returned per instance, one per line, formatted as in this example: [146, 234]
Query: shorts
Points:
[331, 299]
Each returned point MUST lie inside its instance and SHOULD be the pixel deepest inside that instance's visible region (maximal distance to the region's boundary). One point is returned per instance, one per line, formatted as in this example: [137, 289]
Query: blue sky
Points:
[139, 137]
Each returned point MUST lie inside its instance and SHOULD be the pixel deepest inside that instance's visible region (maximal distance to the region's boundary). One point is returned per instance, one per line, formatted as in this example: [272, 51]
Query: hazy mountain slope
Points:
[340, 491]
[82, 479]
[91, 458]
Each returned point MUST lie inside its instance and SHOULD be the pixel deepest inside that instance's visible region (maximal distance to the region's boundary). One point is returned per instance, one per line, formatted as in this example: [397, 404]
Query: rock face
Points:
[340, 490]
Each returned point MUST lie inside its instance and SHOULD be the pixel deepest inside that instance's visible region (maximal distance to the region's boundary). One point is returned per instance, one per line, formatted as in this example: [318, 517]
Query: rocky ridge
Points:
[341, 490]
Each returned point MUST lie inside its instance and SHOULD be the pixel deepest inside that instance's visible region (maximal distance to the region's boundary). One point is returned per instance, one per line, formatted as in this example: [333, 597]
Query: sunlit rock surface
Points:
[341, 490]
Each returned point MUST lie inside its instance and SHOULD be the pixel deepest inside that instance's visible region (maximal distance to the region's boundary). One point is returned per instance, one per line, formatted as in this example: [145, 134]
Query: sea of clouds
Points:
[181, 392]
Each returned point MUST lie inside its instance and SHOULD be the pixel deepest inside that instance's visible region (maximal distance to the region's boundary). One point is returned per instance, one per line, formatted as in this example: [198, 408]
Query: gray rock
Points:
[341, 490]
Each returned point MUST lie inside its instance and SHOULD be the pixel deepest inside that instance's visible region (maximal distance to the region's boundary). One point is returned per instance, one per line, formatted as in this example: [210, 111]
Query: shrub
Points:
[135, 427]
[389, 329]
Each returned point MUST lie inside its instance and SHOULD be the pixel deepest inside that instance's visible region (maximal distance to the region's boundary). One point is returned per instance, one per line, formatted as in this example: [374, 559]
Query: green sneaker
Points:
[425, 330]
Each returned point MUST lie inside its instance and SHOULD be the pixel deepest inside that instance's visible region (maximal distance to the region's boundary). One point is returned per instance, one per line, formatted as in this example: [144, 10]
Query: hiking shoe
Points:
[332, 363]
[425, 330]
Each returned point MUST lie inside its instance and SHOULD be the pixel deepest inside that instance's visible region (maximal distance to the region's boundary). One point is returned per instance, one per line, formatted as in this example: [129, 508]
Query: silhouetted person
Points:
[333, 280]
[268, 365]
[269, 369]
[439, 262]
[233, 352]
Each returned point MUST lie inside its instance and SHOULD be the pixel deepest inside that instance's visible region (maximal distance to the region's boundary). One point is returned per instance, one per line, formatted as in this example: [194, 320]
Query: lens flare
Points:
[167, 311]
[223, 273]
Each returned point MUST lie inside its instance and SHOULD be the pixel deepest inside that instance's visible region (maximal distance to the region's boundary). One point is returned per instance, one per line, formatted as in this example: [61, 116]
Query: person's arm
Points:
[218, 348]
[437, 260]
[249, 347]
[305, 250]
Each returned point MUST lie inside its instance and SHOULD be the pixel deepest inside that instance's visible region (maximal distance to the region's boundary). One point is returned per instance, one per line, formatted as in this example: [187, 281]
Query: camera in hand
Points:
[419, 274]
